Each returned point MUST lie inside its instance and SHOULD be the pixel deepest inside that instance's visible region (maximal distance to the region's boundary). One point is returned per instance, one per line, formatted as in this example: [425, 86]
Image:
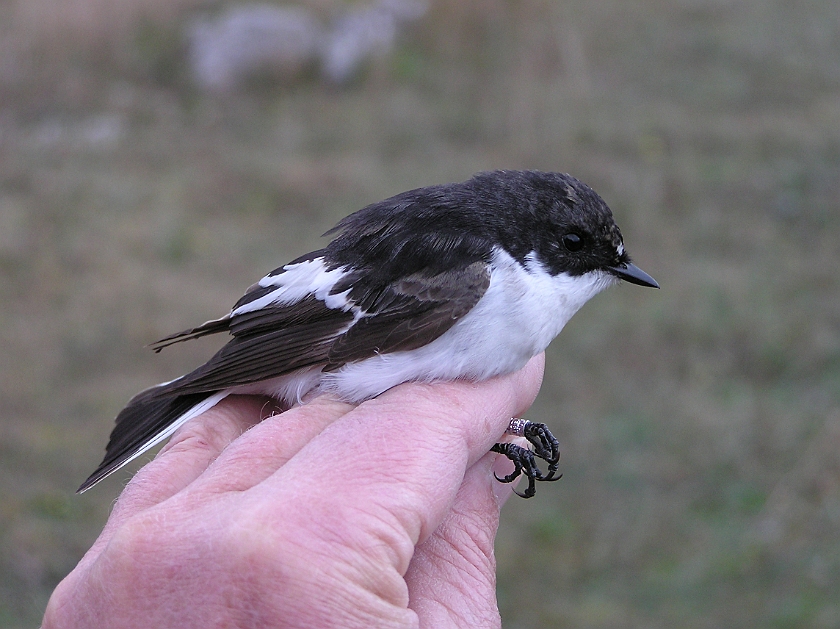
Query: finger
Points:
[398, 460]
[266, 447]
[452, 576]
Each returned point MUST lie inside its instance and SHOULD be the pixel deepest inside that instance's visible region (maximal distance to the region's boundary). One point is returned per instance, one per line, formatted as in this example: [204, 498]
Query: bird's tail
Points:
[150, 417]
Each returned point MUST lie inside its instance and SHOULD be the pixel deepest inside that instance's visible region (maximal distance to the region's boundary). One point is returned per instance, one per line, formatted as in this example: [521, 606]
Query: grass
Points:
[700, 424]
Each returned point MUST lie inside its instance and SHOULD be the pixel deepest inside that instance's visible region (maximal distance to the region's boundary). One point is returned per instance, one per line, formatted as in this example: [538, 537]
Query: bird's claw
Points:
[524, 461]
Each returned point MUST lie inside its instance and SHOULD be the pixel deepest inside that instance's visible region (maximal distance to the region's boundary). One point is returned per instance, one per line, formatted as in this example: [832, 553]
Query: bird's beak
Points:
[633, 274]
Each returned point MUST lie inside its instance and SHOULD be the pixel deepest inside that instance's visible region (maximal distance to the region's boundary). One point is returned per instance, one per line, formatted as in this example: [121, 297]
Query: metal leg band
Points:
[517, 426]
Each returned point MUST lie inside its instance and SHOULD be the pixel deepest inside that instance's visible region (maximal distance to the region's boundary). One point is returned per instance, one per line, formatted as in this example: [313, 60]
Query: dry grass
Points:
[700, 424]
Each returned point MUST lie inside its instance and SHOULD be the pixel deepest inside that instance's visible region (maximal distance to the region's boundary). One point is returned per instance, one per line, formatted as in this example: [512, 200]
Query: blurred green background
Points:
[700, 424]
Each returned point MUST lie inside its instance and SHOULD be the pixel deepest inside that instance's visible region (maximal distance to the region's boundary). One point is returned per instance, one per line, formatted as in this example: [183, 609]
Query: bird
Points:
[456, 281]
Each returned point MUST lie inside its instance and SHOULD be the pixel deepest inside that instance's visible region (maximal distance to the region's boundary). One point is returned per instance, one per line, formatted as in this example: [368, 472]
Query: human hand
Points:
[326, 515]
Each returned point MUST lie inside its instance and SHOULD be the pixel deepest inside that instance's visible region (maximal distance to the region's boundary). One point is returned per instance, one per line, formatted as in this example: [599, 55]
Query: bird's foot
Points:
[524, 461]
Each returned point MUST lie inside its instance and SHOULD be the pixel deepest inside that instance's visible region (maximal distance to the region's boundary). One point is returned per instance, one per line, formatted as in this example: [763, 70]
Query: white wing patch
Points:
[298, 281]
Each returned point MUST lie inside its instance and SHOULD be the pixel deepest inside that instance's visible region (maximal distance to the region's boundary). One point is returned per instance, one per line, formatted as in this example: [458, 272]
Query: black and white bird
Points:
[457, 281]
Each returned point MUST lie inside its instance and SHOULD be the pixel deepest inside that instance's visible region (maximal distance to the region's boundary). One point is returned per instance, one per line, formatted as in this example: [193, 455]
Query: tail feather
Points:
[149, 418]
[208, 327]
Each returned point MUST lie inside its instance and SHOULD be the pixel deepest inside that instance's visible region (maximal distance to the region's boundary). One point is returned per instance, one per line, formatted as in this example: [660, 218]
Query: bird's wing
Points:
[268, 343]
[411, 312]
[267, 287]
[276, 340]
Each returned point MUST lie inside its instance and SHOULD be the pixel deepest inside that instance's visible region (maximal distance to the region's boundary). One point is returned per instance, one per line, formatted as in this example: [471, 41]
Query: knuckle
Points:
[197, 435]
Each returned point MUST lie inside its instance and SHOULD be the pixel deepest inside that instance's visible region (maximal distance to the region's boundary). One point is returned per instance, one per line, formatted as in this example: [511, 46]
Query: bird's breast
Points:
[524, 308]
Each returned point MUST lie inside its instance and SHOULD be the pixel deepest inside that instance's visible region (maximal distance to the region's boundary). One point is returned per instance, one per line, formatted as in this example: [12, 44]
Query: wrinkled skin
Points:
[326, 515]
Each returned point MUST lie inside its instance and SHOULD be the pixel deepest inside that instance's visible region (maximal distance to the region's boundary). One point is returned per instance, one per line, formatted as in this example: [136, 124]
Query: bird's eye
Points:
[573, 242]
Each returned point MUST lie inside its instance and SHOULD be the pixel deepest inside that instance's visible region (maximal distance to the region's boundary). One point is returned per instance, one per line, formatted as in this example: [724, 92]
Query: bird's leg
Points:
[546, 447]
[545, 444]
